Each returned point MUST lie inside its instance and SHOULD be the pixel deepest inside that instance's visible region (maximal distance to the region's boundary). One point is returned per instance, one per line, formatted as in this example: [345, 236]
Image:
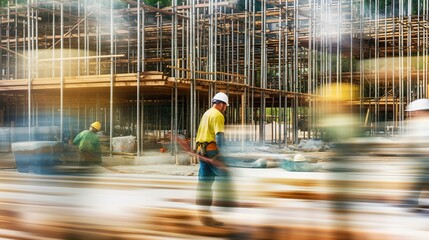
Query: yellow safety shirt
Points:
[211, 123]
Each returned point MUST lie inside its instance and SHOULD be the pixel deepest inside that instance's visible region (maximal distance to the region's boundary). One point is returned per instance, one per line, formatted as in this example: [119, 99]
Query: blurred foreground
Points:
[356, 195]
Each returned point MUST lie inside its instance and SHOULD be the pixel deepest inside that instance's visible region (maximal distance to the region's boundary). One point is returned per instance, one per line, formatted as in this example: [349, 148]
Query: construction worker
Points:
[89, 145]
[417, 133]
[210, 140]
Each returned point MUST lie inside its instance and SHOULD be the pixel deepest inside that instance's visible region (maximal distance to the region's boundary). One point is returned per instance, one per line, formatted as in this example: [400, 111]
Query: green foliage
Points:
[3, 3]
[391, 8]
[162, 3]
[347, 64]
[241, 5]
[119, 4]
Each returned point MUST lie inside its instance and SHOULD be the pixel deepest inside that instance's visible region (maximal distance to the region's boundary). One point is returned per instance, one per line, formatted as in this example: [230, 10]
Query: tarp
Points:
[33, 145]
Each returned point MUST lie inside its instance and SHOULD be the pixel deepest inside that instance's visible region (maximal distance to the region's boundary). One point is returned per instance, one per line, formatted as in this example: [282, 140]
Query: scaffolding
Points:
[150, 71]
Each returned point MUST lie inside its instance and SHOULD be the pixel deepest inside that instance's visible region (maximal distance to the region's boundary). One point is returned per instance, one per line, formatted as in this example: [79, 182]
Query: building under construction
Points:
[149, 70]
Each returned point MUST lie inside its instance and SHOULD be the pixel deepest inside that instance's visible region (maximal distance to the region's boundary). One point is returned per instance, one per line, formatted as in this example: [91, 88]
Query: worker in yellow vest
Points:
[210, 141]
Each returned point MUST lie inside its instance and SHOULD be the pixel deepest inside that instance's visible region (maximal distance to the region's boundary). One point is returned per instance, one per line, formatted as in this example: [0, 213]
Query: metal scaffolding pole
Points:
[401, 62]
[408, 47]
[112, 68]
[29, 70]
[138, 102]
[253, 72]
[192, 65]
[174, 62]
[62, 73]
[285, 77]
[295, 73]
[361, 55]
[263, 73]
[386, 92]
[286, 38]
[425, 48]
[279, 70]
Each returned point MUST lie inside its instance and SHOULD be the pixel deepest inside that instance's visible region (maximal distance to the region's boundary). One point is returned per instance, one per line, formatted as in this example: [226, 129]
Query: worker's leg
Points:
[88, 158]
[421, 182]
[225, 191]
[204, 188]
[204, 199]
[83, 158]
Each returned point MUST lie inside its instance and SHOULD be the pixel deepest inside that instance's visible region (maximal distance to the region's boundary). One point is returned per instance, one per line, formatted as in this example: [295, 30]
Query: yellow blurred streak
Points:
[339, 91]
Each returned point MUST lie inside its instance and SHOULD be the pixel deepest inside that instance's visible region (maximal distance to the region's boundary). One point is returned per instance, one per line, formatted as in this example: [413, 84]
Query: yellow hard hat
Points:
[96, 125]
[343, 92]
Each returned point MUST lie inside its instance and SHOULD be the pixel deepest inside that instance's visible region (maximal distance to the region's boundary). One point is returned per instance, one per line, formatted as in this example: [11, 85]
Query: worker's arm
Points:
[220, 140]
[77, 139]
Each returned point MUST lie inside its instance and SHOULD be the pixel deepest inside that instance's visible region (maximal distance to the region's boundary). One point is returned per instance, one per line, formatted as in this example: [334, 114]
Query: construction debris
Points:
[300, 164]
[310, 145]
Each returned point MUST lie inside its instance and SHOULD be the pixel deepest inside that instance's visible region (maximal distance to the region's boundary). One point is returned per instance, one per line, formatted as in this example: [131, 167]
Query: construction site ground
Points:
[150, 162]
[158, 161]
[132, 195]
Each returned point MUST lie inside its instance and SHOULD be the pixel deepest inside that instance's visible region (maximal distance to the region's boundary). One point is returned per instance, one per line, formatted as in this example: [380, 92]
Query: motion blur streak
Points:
[354, 203]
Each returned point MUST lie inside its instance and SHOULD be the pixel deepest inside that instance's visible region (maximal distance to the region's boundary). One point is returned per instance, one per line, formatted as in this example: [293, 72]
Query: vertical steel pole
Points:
[401, 64]
[279, 71]
[112, 65]
[192, 73]
[62, 72]
[29, 70]
[138, 78]
[175, 71]
[295, 73]
[263, 69]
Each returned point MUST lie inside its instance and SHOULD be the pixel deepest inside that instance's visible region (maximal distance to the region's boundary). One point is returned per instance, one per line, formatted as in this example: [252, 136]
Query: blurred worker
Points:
[337, 120]
[340, 124]
[418, 131]
[210, 140]
[89, 145]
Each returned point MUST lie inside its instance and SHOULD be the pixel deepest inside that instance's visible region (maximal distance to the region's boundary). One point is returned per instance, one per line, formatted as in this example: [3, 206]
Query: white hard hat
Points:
[299, 158]
[220, 96]
[417, 105]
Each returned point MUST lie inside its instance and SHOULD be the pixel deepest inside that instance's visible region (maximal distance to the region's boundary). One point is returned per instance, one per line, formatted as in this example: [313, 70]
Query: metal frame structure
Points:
[142, 69]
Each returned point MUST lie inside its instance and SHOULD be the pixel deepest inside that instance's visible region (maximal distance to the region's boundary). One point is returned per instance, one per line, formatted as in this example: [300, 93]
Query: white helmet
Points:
[299, 158]
[220, 96]
[417, 105]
